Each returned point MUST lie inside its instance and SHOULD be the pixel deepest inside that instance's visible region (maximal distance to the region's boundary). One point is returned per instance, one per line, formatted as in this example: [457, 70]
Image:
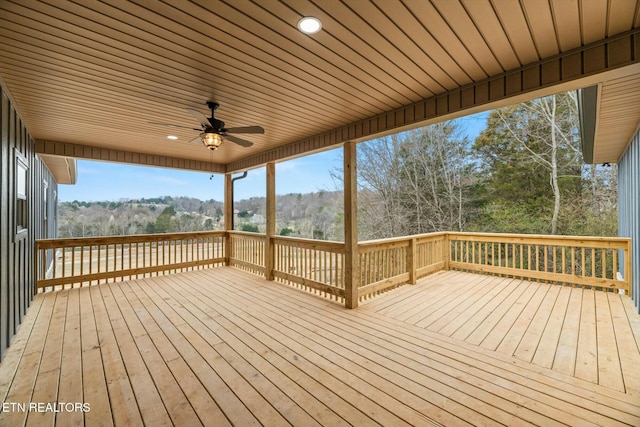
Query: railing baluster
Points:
[90, 261]
[55, 263]
[73, 262]
[64, 259]
[81, 261]
[522, 248]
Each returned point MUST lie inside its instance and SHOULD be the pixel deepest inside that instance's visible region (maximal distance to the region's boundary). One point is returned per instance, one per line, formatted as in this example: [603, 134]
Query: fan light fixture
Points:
[211, 140]
[309, 25]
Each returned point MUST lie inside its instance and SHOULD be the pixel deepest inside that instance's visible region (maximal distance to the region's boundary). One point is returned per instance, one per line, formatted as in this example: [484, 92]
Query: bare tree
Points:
[415, 182]
[547, 130]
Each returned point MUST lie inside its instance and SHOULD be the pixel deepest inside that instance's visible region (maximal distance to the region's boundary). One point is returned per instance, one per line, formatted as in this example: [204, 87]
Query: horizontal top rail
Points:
[397, 242]
[299, 242]
[375, 242]
[246, 233]
[111, 240]
[585, 241]
[324, 245]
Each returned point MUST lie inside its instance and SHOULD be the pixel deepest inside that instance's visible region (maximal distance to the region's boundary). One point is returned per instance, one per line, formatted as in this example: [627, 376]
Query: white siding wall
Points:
[629, 207]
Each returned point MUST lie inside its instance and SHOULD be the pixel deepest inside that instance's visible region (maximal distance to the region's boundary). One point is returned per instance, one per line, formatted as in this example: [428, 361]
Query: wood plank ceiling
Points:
[97, 73]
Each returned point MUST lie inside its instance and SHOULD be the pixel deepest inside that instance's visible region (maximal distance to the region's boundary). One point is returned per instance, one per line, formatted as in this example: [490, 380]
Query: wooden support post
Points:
[269, 261]
[351, 274]
[411, 261]
[228, 217]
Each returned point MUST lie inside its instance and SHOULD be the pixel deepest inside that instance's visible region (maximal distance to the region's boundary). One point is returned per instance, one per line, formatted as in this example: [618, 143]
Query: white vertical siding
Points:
[629, 208]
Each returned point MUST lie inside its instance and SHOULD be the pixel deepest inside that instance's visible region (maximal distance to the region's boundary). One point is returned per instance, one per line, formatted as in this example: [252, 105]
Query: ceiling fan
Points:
[213, 132]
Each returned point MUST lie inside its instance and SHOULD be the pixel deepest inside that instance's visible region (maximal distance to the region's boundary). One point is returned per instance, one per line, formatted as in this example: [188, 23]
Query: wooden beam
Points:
[351, 276]
[77, 151]
[269, 261]
[228, 217]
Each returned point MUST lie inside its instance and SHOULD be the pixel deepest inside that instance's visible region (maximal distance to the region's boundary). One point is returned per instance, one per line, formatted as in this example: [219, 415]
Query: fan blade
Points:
[197, 138]
[238, 141]
[245, 129]
[199, 117]
[173, 126]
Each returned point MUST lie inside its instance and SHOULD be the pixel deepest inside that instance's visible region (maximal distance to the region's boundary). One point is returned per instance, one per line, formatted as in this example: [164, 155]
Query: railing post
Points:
[411, 261]
[228, 217]
[351, 276]
[269, 261]
[446, 251]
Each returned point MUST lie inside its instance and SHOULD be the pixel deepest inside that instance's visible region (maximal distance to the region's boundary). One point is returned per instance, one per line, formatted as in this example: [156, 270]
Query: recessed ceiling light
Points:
[172, 137]
[309, 25]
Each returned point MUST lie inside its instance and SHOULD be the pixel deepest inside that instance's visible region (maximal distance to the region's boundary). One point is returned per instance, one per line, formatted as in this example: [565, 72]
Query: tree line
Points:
[315, 215]
[523, 174]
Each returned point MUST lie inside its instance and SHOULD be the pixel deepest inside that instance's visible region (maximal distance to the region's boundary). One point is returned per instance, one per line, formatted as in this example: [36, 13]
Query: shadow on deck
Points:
[224, 347]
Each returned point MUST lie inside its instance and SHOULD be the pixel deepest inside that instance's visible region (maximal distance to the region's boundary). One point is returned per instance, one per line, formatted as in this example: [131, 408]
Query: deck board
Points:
[46, 385]
[565, 357]
[224, 347]
[478, 318]
[20, 390]
[70, 386]
[627, 345]
[227, 319]
[587, 350]
[609, 370]
[588, 334]
[546, 351]
[118, 382]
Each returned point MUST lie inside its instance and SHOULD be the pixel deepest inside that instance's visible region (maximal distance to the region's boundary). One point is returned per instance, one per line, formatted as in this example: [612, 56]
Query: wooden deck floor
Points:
[222, 347]
[584, 333]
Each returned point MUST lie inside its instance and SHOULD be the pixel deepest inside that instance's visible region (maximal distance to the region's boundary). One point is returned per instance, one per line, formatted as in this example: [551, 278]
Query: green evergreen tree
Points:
[531, 164]
[163, 223]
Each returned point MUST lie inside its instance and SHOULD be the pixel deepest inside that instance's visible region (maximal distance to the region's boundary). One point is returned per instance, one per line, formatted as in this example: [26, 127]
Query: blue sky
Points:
[99, 181]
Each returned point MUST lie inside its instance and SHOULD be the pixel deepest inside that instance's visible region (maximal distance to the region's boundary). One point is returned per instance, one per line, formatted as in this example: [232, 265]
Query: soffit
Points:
[62, 168]
[618, 118]
[96, 73]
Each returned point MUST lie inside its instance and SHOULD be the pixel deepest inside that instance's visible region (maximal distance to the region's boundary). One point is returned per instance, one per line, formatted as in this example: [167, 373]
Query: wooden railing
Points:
[387, 263]
[383, 264]
[313, 265]
[319, 266]
[583, 261]
[247, 251]
[62, 263]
